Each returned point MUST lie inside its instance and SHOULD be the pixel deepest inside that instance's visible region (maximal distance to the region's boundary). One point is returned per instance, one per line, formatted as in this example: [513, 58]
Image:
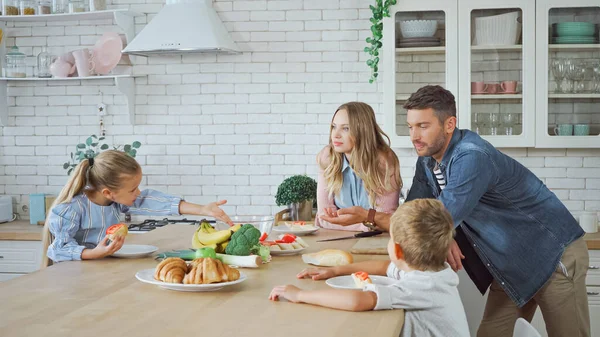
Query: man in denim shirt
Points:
[519, 239]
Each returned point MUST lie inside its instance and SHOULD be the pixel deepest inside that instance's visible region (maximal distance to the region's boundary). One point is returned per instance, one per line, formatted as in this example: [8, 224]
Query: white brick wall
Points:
[229, 126]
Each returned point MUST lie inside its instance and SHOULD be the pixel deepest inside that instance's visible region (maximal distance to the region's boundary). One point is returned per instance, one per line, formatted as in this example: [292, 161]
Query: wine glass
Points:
[508, 121]
[558, 67]
[494, 123]
[483, 120]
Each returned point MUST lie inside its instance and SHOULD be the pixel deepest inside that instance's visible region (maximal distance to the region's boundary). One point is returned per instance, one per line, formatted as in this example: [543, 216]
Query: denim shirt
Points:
[517, 226]
[353, 192]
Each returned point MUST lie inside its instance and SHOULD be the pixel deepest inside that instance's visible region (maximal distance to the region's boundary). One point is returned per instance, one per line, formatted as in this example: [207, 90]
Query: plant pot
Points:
[301, 211]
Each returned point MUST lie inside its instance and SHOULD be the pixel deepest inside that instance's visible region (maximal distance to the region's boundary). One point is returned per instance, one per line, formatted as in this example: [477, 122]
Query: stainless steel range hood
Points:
[181, 27]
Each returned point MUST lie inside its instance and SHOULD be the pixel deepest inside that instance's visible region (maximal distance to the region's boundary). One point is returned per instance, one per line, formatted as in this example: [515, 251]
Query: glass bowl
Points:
[264, 223]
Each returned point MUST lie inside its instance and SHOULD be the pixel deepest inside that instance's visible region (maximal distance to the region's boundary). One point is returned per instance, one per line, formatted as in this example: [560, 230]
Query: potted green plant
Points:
[298, 192]
[92, 147]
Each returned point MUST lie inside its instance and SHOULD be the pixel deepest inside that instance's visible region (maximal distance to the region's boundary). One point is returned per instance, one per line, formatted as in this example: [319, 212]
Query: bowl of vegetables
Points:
[264, 223]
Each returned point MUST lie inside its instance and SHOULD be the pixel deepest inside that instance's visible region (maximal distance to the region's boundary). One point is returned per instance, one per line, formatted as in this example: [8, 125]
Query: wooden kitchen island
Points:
[103, 298]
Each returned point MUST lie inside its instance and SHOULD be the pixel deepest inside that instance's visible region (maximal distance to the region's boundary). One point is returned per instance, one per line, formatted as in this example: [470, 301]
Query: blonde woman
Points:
[98, 191]
[357, 167]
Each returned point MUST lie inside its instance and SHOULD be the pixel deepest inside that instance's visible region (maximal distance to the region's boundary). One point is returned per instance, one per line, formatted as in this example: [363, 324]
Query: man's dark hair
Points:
[435, 97]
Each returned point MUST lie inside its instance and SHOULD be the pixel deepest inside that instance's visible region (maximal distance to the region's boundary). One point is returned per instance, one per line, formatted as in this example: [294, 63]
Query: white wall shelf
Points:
[123, 18]
[497, 48]
[125, 84]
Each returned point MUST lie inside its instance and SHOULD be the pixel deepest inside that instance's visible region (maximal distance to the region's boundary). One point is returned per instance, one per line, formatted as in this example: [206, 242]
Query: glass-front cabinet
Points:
[425, 51]
[525, 73]
[568, 74]
[496, 62]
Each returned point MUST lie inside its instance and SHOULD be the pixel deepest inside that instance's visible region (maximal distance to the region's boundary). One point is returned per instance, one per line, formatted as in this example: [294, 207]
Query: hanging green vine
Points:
[380, 10]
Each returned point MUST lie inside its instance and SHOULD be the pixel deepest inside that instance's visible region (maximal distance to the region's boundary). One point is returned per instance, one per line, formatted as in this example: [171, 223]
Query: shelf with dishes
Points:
[124, 18]
[574, 47]
[574, 96]
[442, 49]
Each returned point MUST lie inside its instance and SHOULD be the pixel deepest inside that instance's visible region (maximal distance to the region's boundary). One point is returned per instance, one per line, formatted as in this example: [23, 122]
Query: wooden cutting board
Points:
[374, 245]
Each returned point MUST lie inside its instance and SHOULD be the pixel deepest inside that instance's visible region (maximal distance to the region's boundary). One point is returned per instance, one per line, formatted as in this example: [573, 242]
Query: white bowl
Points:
[418, 28]
[503, 29]
[264, 223]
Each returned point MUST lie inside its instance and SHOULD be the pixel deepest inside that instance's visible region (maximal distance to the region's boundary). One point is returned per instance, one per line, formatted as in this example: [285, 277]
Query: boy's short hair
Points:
[424, 229]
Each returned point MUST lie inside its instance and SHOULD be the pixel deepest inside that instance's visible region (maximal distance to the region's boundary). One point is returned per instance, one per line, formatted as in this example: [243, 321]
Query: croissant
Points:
[171, 270]
[208, 270]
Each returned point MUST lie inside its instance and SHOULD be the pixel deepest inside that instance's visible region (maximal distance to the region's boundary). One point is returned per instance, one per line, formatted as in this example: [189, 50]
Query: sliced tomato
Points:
[362, 275]
[115, 228]
[263, 237]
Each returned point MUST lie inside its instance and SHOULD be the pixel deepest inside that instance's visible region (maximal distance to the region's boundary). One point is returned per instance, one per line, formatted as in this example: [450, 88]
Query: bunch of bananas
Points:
[207, 236]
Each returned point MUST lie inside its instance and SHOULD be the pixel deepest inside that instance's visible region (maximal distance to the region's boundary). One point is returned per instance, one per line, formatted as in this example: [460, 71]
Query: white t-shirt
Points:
[430, 299]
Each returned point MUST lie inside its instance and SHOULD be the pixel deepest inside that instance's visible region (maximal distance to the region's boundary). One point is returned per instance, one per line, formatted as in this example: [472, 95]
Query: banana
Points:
[221, 247]
[235, 228]
[213, 238]
[197, 244]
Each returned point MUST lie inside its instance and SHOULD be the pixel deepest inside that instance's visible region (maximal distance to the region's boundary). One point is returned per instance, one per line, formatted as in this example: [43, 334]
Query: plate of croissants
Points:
[203, 274]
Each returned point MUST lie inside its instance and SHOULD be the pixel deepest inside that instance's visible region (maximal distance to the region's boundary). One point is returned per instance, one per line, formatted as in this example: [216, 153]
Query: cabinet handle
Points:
[593, 267]
[1, 257]
[593, 293]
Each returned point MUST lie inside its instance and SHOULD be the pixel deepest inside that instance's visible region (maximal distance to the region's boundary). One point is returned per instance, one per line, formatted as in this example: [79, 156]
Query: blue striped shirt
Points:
[82, 224]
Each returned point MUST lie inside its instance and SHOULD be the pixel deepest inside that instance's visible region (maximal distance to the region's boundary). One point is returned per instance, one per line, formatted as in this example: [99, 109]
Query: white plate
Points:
[287, 229]
[346, 281]
[134, 251]
[147, 276]
[287, 252]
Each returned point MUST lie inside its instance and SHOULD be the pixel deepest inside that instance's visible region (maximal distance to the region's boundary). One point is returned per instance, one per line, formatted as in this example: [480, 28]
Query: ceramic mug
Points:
[581, 130]
[478, 87]
[83, 62]
[563, 130]
[589, 222]
[493, 88]
[509, 86]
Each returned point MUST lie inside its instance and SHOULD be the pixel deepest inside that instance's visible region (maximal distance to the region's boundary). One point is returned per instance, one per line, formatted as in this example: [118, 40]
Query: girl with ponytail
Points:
[98, 191]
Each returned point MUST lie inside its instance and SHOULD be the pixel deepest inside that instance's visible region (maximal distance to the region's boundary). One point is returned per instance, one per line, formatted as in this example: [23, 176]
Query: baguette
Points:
[328, 258]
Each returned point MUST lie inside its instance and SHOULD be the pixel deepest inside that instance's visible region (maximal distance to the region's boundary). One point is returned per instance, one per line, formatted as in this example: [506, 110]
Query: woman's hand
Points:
[213, 210]
[288, 292]
[317, 273]
[103, 248]
[345, 216]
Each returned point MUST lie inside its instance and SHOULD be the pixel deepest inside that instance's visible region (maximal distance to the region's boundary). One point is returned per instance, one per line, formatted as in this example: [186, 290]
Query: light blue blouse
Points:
[82, 224]
[352, 192]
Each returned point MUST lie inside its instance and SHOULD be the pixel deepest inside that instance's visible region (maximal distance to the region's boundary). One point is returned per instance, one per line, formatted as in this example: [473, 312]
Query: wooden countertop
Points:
[20, 230]
[103, 297]
[592, 240]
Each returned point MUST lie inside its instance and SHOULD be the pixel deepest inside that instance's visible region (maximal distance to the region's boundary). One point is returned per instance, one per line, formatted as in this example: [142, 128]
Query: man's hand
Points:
[455, 256]
[288, 292]
[317, 273]
[346, 216]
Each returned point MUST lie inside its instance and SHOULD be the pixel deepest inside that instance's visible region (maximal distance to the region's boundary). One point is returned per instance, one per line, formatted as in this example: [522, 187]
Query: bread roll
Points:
[328, 258]
[361, 279]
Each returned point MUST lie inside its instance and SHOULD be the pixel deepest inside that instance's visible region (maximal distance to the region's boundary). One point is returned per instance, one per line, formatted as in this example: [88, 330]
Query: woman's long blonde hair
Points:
[372, 158]
[108, 171]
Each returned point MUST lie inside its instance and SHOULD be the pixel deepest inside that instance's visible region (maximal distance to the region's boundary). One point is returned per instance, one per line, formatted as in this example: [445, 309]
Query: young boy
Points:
[421, 232]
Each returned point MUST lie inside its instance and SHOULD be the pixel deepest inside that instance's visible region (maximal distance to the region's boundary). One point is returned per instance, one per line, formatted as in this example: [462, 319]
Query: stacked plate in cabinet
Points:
[415, 42]
[574, 33]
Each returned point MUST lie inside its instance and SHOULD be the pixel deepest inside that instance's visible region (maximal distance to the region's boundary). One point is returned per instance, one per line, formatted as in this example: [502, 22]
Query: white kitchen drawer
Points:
[20, 256]
[593, 275]
[594, 302]
[9, 276]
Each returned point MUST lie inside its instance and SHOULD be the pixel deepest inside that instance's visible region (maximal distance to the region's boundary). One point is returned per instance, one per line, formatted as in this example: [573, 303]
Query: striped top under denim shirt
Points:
[82, 224]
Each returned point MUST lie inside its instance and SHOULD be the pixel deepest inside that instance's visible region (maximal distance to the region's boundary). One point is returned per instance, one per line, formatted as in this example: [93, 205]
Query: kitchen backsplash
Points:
[225, 126]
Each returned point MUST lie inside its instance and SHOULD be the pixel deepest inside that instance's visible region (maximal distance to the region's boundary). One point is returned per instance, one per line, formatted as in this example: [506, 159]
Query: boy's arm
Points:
[373, 267]
[343, 299]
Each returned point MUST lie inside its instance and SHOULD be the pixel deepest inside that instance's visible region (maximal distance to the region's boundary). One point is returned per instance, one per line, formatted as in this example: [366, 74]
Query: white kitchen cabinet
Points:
[124, 82]
[526, 117]
[575, 109]
[18, 258]
[407, 69]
